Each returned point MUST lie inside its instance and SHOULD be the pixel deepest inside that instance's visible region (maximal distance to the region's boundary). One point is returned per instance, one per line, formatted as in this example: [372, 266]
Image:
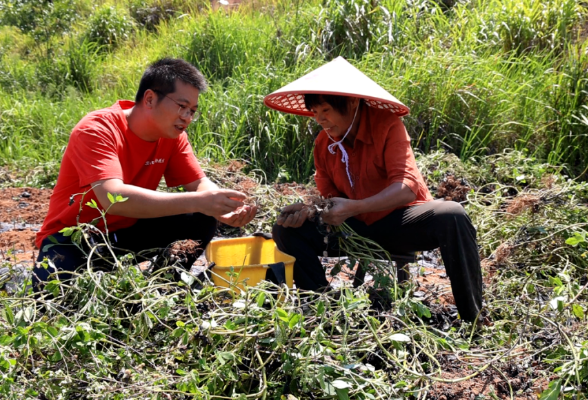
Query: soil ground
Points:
[22, 211]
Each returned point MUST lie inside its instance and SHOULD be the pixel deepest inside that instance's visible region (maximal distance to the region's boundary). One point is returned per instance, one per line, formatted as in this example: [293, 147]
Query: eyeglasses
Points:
[184, 111]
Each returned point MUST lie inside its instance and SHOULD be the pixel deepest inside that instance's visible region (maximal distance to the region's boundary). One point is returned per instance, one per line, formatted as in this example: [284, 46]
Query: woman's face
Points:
[335, 123]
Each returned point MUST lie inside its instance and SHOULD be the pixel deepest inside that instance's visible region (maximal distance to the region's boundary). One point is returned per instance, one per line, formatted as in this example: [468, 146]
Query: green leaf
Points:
[260, 299]
[67, 231]
[578, 311]
[9, 315]
[76, 237]
[92, 204]
[283, 315]
[47, 247]
[576, 239]
[342, 394]
[552, 392]
[294, 320]
[111, 198]
[53, 287]
[6, 340]
[55, 357]
[52, 239]
[421, 309]
[320, 310]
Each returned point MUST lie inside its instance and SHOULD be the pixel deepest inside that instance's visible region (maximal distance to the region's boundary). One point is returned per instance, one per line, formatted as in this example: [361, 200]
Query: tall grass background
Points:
[480, 76]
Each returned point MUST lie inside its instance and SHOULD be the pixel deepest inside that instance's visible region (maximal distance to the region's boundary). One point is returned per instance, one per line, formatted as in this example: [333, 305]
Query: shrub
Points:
[149, 13]
[40, 18]
[109, 27]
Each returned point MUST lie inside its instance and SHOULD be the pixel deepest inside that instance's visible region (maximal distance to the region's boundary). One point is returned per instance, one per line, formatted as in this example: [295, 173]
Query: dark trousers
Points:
[151, 233]
[435, 224]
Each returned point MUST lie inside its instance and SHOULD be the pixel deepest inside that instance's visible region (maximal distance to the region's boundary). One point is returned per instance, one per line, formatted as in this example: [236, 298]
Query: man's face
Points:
[175, 111]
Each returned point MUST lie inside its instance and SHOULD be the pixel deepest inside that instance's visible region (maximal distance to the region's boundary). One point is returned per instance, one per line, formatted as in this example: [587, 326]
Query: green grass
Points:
[479, 76]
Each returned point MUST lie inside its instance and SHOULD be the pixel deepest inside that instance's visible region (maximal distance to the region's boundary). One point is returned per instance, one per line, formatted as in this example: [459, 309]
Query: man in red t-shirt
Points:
[125, 150]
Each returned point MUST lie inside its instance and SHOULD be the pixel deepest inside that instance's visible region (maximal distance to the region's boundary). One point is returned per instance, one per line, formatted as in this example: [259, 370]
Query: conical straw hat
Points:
[337, 78]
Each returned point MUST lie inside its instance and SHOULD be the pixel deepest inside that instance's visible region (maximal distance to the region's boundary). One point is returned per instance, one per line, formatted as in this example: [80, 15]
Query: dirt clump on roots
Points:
[452, 188]
[524, 202]
[182, 250]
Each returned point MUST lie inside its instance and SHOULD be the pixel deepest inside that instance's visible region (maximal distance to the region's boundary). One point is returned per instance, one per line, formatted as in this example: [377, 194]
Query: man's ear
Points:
[149, 99]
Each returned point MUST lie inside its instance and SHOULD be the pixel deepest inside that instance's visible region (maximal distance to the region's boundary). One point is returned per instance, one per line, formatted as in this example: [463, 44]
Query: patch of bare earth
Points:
[24, 205]
[22, 211]
[510, 381]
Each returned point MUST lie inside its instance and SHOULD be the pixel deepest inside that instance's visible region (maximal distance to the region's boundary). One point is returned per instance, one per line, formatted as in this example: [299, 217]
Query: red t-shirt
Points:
[381, 155]
[102, 146]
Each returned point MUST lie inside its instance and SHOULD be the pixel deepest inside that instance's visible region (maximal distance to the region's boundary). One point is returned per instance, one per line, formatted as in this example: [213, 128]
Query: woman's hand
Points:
[293, 216]
[340, 211]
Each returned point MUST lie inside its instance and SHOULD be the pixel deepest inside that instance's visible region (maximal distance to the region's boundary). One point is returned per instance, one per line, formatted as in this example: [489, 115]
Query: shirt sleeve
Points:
[399, 158]
[94, 154]
[183, 167]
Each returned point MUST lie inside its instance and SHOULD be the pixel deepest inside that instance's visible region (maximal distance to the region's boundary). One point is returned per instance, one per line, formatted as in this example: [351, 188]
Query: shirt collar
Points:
[364, 132]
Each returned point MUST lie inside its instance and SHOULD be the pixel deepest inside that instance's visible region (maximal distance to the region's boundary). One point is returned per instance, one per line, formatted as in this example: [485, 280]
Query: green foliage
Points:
[150, 13]
[109, 27]
[40, 18]
[348, 28]
[81, 61]
[530, 25]
[134, 330]
[480, 76]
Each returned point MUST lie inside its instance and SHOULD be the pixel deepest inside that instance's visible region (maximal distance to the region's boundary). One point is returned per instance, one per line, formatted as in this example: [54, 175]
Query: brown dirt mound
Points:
[21, 239]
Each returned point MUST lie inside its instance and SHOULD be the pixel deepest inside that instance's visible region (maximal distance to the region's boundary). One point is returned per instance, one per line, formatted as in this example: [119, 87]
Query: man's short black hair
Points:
[161, 77]
[339, 103]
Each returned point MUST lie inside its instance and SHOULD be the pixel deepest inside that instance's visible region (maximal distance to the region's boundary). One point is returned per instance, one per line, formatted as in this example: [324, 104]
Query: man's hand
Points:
[340, 211]
[240, 217]
[220, 202]
[293, 216]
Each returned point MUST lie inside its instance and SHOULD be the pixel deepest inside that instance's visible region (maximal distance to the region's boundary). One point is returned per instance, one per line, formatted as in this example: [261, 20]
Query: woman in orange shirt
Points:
[365, 165]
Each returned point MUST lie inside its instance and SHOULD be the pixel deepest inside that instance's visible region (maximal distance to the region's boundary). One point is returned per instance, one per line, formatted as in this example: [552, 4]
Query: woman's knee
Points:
[450, 209]
[287, 236]
[279, 233]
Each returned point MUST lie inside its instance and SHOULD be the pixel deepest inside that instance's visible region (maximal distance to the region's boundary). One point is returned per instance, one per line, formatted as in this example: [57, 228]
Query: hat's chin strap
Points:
[345, 156]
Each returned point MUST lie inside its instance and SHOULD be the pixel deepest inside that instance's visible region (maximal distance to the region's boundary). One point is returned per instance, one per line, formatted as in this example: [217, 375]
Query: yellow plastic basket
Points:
[249, 257]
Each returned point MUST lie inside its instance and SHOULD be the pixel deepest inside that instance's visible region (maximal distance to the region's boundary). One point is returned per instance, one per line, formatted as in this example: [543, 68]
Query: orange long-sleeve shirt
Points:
[381, 156]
